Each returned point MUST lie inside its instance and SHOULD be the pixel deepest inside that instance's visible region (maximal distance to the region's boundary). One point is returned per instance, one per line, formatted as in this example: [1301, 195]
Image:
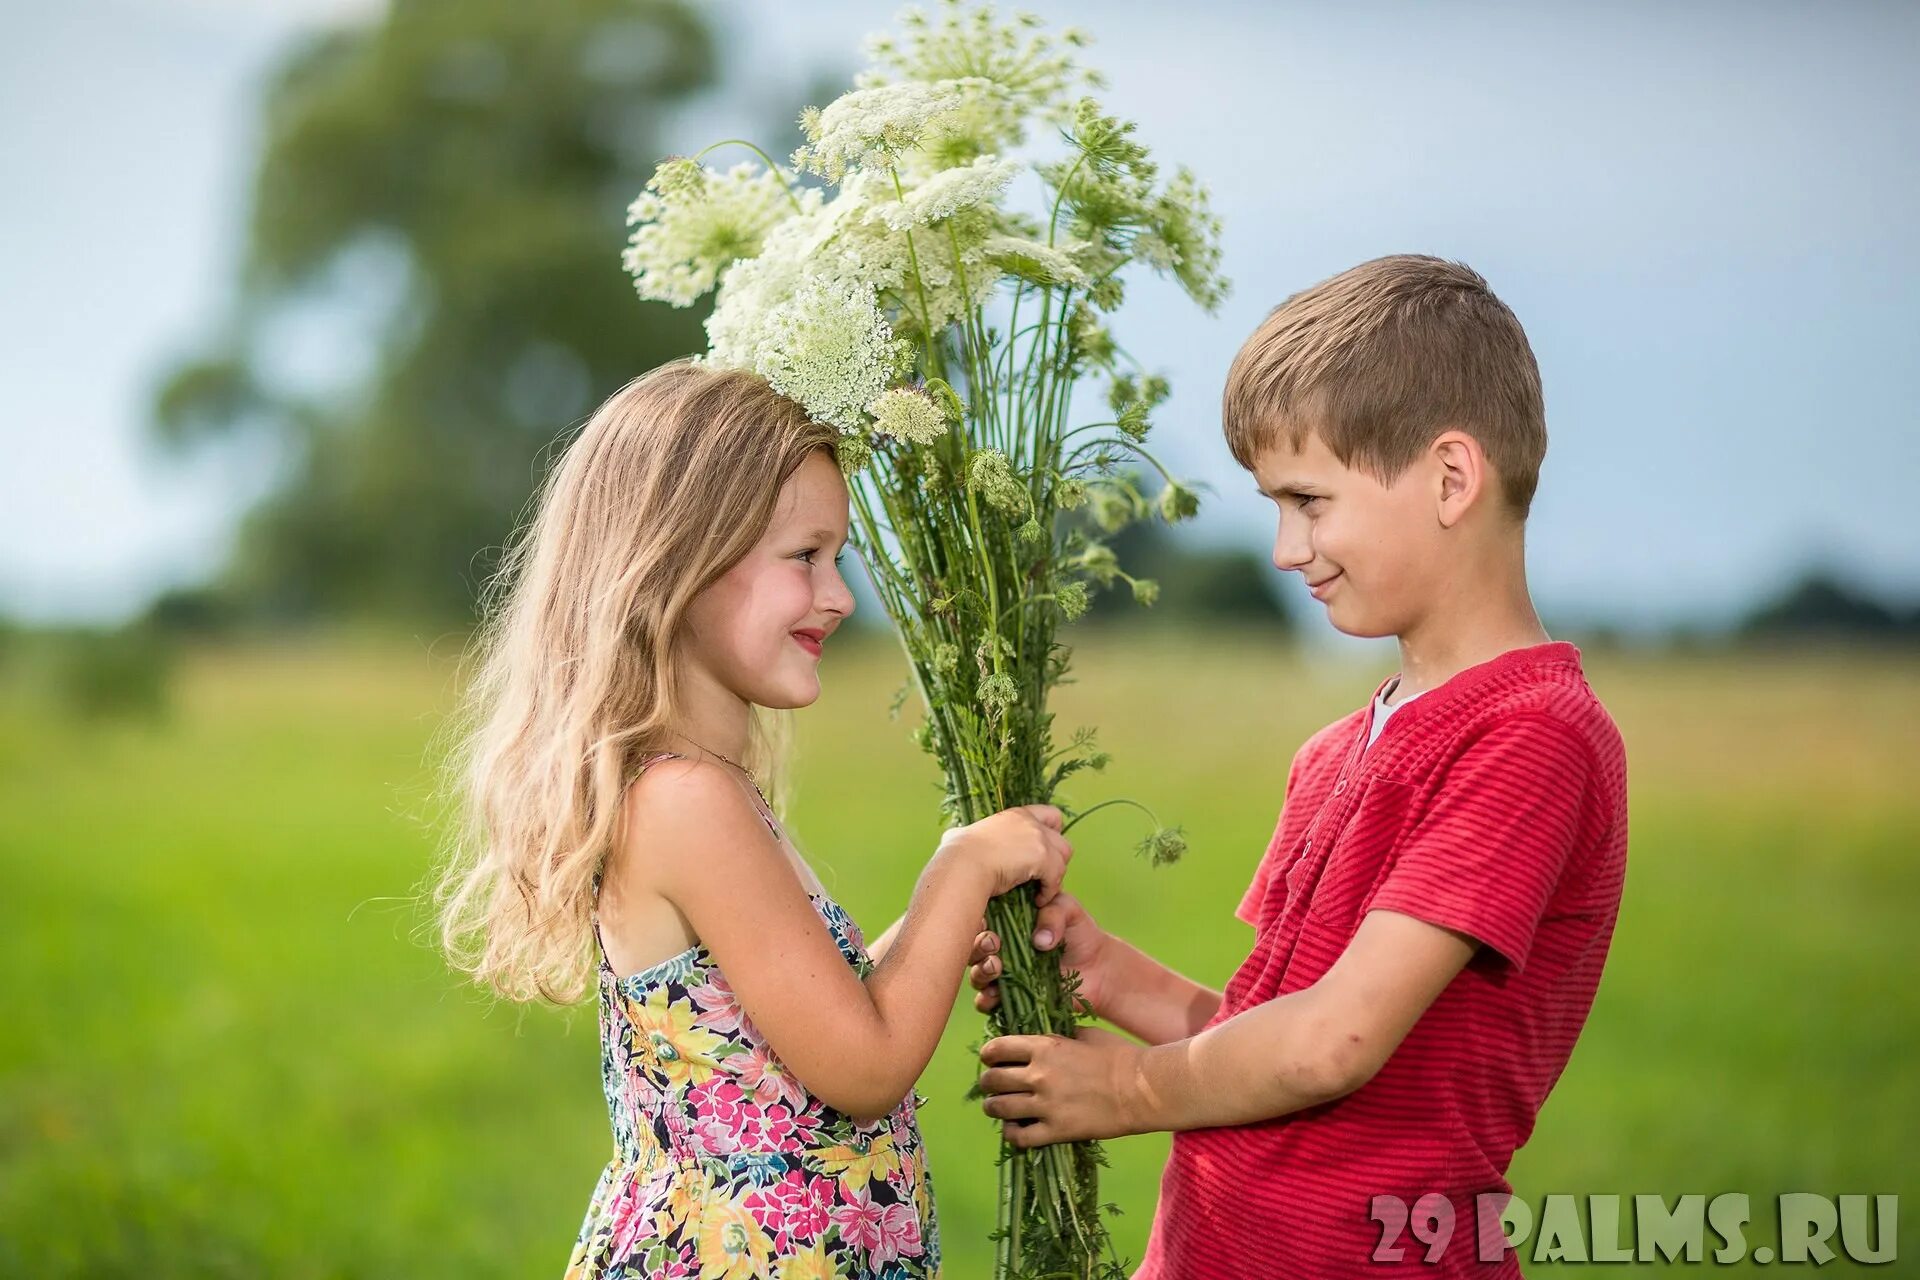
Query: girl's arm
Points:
[692, 836]
[879, 946]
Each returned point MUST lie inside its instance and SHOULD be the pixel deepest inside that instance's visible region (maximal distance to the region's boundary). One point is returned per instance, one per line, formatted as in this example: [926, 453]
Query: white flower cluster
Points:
[826, 292]
[872, 124]
[910, 415]
[939, 197]
[1008, 73]
[691, 224]
[847, 240]
[1034, 260]
[829, 348]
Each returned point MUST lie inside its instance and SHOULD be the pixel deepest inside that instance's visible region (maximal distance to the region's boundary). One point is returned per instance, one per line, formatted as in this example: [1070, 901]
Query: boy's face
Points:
[1371, 553]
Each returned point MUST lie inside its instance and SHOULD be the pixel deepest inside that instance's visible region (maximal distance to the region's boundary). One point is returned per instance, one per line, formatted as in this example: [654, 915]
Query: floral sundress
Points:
[724, 1167]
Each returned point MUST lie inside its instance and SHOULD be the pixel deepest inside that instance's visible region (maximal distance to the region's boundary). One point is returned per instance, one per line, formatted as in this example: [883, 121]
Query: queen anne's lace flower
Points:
[1184, 239]
[691, 224]
[909, 415]
[829, 348]
[1034, 260]
[868, 124]
[990, 475]
[751, 289]
[1008, 72]
[941, 195]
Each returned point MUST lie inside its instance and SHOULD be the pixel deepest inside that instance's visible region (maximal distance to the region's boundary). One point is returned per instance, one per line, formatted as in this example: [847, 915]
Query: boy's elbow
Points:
[1345, 1066]
[1334, 1061]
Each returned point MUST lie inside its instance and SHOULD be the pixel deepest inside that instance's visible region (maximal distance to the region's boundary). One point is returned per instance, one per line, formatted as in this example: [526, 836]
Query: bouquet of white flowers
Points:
[914, 304]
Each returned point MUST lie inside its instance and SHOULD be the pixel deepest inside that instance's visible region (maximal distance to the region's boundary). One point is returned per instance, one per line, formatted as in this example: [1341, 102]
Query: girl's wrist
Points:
[950, 870]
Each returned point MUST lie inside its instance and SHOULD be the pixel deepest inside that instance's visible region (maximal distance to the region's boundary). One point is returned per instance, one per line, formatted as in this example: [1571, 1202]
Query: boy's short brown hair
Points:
[1382, 358]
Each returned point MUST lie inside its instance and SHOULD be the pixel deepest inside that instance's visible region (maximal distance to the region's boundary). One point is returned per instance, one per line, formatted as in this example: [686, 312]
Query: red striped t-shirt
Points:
[1494, 804]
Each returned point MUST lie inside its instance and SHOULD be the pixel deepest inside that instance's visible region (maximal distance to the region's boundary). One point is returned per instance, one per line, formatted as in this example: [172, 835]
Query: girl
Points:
[758, 1058]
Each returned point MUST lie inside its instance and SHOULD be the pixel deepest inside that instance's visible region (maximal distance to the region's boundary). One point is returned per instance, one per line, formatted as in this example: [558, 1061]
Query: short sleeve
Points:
[1249, 908]
[1485, 857]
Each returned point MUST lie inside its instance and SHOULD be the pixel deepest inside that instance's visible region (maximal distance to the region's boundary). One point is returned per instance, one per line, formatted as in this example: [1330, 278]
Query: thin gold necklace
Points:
[751, 776]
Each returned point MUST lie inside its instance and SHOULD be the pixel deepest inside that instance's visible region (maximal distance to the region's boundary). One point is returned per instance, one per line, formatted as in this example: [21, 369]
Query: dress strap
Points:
[594, 912]
[763, 809]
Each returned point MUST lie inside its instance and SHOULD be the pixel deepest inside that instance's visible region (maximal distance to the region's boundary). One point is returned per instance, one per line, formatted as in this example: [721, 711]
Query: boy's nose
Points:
[1291, 554]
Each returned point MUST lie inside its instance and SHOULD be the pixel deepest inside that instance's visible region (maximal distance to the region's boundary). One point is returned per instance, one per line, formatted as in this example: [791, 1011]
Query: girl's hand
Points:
[1010, 848]
[1061, 924]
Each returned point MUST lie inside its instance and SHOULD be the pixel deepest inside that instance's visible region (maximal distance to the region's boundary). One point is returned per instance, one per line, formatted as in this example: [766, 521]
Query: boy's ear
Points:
[1463, 473]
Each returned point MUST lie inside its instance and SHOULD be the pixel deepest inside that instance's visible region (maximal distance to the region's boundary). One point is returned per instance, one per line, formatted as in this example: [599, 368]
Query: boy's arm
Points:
[1146, 999]
[1297, 1051]
[1479, 868]
[1312, 1046]
[1118, 981]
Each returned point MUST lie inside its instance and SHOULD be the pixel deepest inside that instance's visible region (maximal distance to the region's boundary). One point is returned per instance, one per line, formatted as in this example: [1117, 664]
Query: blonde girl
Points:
[758, 1056]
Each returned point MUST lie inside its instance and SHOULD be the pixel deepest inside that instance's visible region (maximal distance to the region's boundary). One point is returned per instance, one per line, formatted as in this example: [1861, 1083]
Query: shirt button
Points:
[1340, 786]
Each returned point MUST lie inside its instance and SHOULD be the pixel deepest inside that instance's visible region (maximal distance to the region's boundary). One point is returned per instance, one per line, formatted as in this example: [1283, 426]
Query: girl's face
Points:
[757, 632]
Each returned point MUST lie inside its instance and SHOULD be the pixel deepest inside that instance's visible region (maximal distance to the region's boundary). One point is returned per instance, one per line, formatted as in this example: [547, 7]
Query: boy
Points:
[1434, 909]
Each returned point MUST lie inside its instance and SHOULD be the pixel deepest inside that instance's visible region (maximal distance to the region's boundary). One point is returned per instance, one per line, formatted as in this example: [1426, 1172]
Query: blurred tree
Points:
[431, 289]
[1197, 583]
[1821, 606]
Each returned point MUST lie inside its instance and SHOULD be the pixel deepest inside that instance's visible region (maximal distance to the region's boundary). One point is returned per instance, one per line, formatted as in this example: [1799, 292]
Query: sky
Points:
[1702, 213]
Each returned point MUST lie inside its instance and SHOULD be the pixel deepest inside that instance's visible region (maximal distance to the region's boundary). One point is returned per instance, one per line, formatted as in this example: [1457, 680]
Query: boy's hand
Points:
[1065, 926]
[1065, 1090]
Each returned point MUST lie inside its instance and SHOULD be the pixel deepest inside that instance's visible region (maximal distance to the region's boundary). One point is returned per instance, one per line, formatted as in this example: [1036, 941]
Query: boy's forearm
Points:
[1151, 1002]
[1269, 1061]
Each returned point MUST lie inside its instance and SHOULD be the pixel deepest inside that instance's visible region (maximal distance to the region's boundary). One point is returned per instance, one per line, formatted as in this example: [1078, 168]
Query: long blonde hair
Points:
[670, 483]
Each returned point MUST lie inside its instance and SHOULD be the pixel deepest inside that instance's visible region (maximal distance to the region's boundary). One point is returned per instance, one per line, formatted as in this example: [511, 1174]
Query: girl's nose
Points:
[838, 598]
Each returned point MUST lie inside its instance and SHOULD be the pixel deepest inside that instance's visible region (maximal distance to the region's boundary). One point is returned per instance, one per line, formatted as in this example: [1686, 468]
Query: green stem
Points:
[773, 168]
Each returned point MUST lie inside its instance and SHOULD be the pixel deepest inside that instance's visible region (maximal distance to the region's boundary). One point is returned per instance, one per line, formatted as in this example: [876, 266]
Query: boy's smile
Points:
[1352, 540]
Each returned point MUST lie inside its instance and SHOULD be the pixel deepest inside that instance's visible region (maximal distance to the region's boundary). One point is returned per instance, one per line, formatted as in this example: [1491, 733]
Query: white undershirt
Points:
[1381, 711]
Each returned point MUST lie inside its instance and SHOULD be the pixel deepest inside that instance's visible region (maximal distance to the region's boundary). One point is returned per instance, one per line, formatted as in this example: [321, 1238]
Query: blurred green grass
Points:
[230, 1050]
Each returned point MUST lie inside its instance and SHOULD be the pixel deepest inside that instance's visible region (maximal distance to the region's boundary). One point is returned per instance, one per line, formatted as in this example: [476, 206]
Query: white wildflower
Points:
[1184, 239]
[941, 195]
[909, 415]
[1009, 72]
[691, 224]
[872, 123]
[1034, 260]
[991, 476]
[796, 247]
[829, 348]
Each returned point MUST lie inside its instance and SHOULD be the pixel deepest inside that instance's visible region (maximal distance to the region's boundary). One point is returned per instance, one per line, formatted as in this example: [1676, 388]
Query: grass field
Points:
[230, 1050]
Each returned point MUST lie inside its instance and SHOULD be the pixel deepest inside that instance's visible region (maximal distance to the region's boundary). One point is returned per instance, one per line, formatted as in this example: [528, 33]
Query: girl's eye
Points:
[1305, 498]
[840, 558]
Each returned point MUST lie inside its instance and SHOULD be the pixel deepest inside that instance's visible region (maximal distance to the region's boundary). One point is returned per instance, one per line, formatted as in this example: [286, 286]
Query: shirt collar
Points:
[1467, 680]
